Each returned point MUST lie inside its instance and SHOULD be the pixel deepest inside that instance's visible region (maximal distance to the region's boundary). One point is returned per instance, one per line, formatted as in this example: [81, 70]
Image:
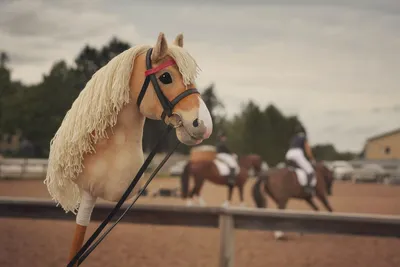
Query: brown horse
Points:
[207, 170]
[282, 184]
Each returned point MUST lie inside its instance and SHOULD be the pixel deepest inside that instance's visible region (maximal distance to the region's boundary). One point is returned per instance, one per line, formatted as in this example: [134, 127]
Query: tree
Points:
[329, 153]
[151, 134]
[112, 49]
[90, 60]
[38, 111]
[213, 105]
[265, 132]
[4, 59]
[211, 100]
[5, 87]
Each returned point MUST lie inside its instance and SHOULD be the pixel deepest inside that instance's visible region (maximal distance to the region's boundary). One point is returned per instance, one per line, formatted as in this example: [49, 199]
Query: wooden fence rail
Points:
[226, 219]
[23, 168]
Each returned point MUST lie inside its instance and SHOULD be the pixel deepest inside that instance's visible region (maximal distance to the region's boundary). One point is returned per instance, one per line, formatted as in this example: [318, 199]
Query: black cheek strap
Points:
[165, 103]
[177, 99]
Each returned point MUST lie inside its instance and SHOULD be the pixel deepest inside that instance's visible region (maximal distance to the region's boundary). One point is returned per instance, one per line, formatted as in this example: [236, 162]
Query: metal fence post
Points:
[227, 238]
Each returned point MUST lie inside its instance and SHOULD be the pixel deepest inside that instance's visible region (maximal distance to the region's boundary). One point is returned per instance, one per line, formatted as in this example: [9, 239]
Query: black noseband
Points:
[167, 105]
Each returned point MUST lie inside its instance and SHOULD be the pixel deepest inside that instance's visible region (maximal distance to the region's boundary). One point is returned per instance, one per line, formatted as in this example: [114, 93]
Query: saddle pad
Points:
[223, 168]
[302, 177]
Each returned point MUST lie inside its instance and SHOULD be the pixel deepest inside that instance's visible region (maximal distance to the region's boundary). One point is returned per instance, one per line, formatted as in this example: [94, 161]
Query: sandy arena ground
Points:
[45, 243]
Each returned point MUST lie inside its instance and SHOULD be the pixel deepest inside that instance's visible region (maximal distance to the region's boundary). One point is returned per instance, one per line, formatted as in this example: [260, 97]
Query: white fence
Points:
[37, 168]
[226, 219]
[27, 168]
[31, 168]
[23, 168]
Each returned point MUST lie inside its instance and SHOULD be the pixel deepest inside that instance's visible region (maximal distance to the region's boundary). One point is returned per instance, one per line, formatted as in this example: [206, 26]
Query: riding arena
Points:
[97, 205]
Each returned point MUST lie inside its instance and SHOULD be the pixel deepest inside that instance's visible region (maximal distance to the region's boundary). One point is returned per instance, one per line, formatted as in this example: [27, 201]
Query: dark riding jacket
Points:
[223, 148]
[299, 141]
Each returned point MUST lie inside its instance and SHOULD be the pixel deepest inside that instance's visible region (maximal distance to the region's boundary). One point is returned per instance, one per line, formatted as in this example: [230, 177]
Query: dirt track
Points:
[45, 243]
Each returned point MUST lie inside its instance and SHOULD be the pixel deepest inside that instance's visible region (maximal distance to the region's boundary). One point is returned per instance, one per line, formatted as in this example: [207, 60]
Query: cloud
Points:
[333, 63]
[36, 33]
[394, 109]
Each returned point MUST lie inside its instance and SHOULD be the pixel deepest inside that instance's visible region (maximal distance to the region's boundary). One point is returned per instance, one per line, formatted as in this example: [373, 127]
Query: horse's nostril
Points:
[196, 123]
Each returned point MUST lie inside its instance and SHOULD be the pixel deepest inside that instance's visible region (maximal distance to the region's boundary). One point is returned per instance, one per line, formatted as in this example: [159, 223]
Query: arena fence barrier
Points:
[226, 219]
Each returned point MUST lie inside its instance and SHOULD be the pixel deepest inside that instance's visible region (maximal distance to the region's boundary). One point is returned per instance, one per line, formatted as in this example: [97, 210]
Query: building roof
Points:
[396, 131]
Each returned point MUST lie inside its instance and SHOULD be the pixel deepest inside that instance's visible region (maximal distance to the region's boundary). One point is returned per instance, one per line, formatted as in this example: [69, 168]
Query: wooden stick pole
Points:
[82, 221]
[77, 242]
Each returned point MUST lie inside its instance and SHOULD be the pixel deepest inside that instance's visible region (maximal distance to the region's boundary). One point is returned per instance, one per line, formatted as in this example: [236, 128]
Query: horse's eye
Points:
[165, 78]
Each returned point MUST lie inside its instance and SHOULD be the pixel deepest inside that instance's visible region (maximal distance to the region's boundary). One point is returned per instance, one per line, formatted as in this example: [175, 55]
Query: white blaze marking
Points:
[205, 117]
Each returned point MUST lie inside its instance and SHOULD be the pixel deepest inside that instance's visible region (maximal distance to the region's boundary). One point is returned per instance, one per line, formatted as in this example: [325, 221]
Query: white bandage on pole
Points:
[85, 209]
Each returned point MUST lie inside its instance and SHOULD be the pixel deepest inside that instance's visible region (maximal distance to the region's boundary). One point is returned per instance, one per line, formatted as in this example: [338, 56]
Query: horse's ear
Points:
[160, 49]
[179, 40]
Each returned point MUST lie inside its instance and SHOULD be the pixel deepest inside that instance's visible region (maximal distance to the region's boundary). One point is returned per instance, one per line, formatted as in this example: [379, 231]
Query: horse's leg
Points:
[228, 201]
[186, 193]
[282, 204]
[230, 193]
[324, 201]
[279, 235]
[197, 191]
[189, 202]
[311, 202]
[82, 221]
[240, 188]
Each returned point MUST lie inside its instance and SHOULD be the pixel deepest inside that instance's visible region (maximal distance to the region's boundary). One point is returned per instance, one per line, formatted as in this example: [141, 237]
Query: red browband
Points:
[160, 67]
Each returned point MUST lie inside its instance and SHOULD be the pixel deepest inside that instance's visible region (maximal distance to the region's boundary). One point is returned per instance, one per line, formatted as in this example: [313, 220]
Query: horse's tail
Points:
[185, 180]
[257, 191]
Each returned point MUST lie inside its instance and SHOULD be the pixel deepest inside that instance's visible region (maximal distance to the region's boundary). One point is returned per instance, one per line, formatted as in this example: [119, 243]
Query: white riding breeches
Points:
[228, 159]
[297, 155]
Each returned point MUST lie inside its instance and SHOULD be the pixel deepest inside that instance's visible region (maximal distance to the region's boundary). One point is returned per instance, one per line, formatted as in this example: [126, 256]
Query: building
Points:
[384, 146]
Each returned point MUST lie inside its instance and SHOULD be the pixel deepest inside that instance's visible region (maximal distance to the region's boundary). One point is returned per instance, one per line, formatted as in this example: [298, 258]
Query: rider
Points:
[297, 152]
[225, 154]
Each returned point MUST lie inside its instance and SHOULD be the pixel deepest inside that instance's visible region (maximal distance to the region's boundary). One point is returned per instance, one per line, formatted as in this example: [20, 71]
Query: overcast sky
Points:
[333, 63]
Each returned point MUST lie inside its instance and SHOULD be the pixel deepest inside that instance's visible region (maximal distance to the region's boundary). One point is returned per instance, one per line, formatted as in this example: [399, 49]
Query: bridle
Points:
[150, 74]
[168, 107]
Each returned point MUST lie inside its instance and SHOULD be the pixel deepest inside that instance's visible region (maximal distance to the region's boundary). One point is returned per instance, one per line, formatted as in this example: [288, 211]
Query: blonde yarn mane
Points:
[185, 62]
[94, 110]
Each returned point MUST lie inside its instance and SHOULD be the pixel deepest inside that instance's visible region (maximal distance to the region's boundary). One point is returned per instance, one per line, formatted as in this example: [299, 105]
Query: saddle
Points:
[224, 161]
[231, 177]
[292, 164]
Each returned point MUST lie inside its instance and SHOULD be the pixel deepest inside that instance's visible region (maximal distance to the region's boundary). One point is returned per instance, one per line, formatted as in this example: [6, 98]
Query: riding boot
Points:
[309, 189]
[231, 177]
